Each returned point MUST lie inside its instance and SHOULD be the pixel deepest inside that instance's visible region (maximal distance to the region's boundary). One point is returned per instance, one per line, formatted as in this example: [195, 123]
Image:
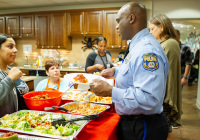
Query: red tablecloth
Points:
[102, 129]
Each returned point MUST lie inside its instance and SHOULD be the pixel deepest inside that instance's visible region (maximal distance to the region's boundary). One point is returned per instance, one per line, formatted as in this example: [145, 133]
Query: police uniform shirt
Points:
[141, 78]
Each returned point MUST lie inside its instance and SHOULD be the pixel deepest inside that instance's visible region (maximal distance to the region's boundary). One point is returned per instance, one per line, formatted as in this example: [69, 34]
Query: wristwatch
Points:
[185, 77]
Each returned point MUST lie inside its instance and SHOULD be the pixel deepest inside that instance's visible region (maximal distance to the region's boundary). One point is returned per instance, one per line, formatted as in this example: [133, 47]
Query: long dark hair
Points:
[100, 39]
[3, 38]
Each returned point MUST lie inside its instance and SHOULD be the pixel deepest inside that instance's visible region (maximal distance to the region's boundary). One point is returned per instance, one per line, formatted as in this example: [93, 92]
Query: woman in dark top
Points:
[99, 59]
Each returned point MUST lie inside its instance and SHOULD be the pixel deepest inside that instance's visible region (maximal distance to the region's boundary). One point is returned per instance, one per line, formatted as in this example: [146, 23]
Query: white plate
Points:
[89, 77]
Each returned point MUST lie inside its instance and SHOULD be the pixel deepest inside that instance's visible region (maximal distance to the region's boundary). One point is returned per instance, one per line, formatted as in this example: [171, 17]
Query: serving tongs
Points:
[61, 121]
[55, 108]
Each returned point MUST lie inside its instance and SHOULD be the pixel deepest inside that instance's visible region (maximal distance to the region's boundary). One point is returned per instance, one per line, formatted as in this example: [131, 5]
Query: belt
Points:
[141, 116]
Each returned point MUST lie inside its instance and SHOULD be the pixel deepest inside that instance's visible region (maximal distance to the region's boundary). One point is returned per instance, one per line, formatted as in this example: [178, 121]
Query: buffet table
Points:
[103, 128]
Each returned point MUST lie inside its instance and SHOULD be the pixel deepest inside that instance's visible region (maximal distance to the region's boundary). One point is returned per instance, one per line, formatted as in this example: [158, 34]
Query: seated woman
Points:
[99, 59]
[11, 86]
[54, 82]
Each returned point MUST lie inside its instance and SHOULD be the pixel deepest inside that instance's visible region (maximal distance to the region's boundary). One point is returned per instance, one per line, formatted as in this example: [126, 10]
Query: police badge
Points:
[150, 62]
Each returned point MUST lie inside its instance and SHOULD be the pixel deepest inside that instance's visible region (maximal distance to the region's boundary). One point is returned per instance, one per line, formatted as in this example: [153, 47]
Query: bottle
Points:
[75, 64]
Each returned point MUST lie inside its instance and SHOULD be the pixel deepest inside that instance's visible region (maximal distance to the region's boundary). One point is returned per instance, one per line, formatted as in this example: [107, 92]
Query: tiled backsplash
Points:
[76, 54]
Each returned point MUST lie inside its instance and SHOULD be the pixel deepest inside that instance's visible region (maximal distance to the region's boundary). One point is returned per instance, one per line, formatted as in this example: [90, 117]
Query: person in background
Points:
[11, 86]
[186, 60]
[140, 80]
[99, 59]
[194, 73]
[162, 29]
[54, 82]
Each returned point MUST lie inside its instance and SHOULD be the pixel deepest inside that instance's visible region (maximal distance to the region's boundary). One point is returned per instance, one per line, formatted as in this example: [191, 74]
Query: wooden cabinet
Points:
[27, 26]
[20, 26]
[42, 30]
[2, 25]
[110, 32]
[58, 30]
[12, 26]
[51, 31]
[86, 23]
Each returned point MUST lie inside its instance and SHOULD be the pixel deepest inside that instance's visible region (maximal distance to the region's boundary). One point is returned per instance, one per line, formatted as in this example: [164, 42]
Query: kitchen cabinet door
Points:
[58, 31]
[76, 23]
[2, 25]
[42, 30]
[109, 30]
[12, 26]
[93, 23]
[27, 26]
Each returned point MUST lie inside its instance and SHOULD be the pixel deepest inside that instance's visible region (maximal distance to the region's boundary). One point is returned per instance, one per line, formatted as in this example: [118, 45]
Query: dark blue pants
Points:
[153, 127]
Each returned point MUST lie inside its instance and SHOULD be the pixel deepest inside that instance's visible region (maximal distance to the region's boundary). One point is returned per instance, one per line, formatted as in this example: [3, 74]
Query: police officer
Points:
[140, 80]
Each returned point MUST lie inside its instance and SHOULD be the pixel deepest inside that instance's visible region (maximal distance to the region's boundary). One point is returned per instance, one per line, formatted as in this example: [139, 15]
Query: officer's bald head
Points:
[131, 19]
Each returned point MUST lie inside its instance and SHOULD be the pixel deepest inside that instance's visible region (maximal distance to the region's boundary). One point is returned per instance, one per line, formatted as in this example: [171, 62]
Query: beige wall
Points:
[76, 54]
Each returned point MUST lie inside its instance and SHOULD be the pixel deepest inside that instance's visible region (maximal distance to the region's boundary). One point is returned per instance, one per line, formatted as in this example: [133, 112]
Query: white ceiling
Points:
[16, 4]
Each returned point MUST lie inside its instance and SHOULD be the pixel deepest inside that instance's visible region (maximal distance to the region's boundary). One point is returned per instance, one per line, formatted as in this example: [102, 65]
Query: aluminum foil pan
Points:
[26, 137]
[69, 116]
[67, 104]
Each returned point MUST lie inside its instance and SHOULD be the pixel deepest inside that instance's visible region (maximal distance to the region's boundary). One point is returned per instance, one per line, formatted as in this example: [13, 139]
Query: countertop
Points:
[67, 69]
[28, 78]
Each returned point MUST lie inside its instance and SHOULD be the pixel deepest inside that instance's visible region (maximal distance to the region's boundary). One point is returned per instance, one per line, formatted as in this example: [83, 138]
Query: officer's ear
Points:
[131, 18]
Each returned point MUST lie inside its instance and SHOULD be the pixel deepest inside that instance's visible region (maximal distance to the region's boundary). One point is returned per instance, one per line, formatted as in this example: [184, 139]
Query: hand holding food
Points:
[14, 73]
[99, 66]
[108, 73]
[101, 88]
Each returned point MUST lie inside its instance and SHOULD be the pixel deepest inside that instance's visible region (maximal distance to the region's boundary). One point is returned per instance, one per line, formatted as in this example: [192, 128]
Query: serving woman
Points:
[162, 29]
[11, 85]
[54, 82]
[99, 59]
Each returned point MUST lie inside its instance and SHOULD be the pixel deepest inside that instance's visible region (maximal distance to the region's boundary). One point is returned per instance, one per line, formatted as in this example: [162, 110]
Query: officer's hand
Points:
[108, 73]
[183, 81]
[14, 73]
[101, 88]
[99, 66]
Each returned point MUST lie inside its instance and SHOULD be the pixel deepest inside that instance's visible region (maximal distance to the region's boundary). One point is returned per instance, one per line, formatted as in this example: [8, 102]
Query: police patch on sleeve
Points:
[150, 62]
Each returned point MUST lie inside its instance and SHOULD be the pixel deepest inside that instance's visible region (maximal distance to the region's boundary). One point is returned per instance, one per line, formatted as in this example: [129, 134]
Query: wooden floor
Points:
[190, 129]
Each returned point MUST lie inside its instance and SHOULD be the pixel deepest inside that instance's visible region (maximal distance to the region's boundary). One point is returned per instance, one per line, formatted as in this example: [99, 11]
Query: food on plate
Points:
[37, 122]
[46, 96]
[80, 78]
[9, 136]
[100, 99]
[84, 108]
[76, 95]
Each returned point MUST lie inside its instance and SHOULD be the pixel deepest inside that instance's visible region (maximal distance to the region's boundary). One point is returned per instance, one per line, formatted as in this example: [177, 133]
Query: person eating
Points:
[11, 86]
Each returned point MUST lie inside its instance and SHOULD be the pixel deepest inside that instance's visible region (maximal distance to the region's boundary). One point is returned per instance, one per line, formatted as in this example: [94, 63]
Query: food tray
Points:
[76, 95]
[26, 137]
[68, 116]
[87, 99]
[82, 102]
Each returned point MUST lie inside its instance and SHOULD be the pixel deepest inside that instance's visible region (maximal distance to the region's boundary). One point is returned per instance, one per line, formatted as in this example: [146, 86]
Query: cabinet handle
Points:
[112, 46]
[26, 34]
[12, 35]
[124, 46]
[51, 46]
[86, 33]
[82, 33]
[58, 46]
[42, 46]
[119, 46]
[47, 46]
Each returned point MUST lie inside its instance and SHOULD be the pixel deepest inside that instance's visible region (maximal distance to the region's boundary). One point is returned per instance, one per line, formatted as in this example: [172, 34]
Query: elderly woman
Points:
[54, 82]
[11, 85]
[99, 59]
[161, 28]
